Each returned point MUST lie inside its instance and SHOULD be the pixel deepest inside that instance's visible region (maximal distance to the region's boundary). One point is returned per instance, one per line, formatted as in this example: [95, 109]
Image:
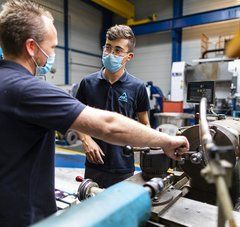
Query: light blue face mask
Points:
[42, 70]
[1, 53]
[111, 62]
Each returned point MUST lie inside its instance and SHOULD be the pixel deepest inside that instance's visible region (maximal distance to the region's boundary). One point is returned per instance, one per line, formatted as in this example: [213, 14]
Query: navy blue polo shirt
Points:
[30, 111]
[127, 96]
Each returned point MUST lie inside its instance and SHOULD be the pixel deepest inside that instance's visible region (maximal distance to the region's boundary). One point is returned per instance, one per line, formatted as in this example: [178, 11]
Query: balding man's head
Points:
[19, 21]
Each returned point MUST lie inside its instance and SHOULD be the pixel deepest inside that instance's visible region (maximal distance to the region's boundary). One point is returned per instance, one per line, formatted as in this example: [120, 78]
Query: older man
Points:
[32, 109]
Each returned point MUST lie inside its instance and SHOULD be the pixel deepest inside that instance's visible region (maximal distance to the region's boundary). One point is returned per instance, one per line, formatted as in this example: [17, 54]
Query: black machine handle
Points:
[129, 150]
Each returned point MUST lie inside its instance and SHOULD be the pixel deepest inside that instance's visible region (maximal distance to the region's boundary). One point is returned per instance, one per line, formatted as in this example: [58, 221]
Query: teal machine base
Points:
[124, 204]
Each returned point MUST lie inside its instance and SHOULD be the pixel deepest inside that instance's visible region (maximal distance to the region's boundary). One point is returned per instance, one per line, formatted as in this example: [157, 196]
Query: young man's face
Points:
[119, 47]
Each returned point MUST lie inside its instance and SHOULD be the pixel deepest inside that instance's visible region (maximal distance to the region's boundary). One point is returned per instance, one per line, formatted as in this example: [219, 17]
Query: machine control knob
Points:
[128, 150]
[196, 158]
[181, 161]
[79, 178]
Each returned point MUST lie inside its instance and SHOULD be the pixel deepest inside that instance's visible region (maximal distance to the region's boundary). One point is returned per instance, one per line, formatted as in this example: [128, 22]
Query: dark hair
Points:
[19, 21]
[122, 32]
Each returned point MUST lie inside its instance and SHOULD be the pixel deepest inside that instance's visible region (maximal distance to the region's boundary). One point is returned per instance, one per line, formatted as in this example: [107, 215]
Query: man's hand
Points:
[93, 151]
[177, 144]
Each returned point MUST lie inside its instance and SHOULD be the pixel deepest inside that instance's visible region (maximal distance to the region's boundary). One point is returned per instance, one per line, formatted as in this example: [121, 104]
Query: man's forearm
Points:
[117, 129]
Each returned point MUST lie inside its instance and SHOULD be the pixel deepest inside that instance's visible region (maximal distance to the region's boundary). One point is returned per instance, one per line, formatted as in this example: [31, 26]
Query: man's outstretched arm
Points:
[117, 129]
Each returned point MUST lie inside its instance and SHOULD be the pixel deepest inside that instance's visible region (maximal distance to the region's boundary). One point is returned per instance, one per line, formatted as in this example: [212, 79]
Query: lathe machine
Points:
[169, 193]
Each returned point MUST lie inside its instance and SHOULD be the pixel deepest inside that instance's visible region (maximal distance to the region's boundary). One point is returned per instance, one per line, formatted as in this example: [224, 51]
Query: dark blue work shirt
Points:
[127, 96]
[30, 111]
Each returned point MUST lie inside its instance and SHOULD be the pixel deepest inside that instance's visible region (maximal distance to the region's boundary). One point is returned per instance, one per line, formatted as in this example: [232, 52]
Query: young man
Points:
[114, 89]
[32, 109]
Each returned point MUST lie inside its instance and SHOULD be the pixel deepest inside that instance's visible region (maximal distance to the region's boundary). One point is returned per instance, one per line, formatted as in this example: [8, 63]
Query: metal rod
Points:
[211, 51]
[146, 148]
[204, 133]
[225, 203]
[216, 169]
[221, 219]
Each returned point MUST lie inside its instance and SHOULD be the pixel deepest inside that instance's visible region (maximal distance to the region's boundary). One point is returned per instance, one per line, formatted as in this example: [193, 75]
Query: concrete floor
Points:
[65, 179]
[69, 163]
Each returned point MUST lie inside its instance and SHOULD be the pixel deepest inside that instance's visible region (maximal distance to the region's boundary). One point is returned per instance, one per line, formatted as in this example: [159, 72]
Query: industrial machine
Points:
[226, 76]
[187, 192]
[234, 68]
[178, 81]
[225, 133]
[125, 204]
[184, 195]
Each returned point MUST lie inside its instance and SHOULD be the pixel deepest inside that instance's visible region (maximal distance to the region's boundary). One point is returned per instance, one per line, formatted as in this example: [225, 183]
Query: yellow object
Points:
[65, 150]
[233, 47]
[132, 21]
[122, 8]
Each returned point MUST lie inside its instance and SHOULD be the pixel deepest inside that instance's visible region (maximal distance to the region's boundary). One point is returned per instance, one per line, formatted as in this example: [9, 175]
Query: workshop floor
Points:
[69, 163]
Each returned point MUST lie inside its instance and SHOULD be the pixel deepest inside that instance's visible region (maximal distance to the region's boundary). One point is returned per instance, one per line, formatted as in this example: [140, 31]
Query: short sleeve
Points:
[142, 99]
[81, 95]
[48, 106]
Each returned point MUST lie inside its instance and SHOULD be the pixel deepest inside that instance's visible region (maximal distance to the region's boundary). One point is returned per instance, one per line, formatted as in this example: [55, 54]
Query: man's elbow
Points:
[98, 123]
[110, 124]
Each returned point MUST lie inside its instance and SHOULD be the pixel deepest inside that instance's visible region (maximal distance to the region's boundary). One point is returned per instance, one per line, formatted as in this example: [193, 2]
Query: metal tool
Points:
[215, 171]
[89, 188]
[129, 150]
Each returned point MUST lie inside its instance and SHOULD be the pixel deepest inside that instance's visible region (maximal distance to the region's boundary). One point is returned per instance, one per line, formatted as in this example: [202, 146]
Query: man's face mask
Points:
[1, 53]
[42, 70]
[112, 62]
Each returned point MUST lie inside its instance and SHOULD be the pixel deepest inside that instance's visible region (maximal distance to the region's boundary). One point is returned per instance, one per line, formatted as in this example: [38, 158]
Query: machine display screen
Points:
[197, 90]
